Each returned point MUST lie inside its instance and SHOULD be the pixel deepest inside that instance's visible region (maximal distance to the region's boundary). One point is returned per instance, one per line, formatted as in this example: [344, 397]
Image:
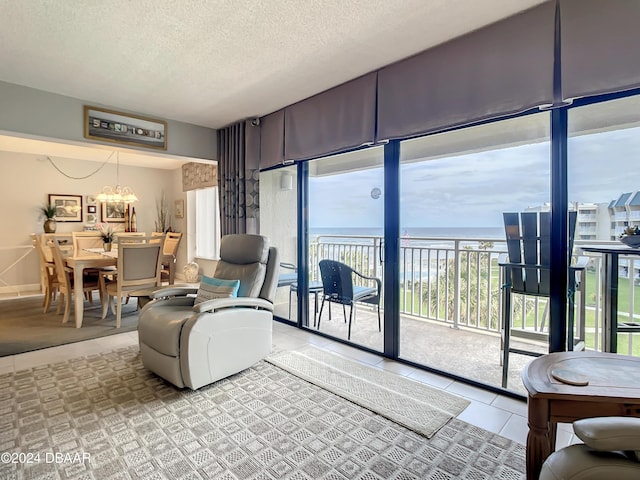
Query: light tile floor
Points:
[496, 413]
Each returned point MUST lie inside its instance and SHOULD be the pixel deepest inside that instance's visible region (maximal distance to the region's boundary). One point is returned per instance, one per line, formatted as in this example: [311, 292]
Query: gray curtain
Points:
[500, 69]
[238, 180]
[599, 46]
[332, 121]
[272, 139]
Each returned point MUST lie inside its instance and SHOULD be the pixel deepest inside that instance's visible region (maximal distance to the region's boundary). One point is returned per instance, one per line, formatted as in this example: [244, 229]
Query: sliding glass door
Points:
[604, 188]
[455, 188]
[346, 222]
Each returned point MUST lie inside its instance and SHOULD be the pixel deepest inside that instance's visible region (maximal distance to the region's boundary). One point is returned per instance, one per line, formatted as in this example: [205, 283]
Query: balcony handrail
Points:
[457, 280]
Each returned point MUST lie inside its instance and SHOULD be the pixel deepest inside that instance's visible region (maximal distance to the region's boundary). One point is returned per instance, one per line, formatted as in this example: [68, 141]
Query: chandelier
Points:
[117, 194]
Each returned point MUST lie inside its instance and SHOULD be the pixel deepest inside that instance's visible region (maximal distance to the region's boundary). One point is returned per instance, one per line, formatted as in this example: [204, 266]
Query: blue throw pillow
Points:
[216, 288]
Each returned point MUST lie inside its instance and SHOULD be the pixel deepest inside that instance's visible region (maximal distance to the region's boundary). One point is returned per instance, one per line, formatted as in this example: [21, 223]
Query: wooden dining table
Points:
[79, 262]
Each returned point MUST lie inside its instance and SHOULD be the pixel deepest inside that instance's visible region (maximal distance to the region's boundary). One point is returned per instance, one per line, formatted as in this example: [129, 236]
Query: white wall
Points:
[278, 209]
[25, 182]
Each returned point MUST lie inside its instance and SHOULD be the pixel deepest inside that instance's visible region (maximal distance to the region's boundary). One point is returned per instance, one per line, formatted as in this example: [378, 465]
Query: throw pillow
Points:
[216, 288]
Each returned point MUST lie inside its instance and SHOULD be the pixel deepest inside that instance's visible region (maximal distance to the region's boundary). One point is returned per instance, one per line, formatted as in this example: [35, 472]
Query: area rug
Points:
[106, 417]
[25, 327]
[413, 404]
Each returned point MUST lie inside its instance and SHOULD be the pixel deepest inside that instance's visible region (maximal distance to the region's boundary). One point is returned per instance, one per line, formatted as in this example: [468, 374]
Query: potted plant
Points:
[48, 210]
[106, 231]
[631, 237]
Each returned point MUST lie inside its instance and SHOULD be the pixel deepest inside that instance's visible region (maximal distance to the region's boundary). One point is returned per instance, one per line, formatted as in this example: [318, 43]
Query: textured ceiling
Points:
[213, 62]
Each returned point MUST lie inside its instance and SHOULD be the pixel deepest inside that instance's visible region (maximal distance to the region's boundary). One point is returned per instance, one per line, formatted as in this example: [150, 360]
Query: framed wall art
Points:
[68, 207]
[179, 208]
[111, 126]
[113, 212]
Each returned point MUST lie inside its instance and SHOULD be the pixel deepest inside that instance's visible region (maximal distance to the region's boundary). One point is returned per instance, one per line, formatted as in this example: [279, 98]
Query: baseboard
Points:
[30, 288]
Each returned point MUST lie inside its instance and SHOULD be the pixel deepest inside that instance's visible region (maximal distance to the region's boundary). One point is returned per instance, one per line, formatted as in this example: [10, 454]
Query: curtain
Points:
[272, 140]
[238, 177]
[599, 46]
[498, 70]
[332, 121]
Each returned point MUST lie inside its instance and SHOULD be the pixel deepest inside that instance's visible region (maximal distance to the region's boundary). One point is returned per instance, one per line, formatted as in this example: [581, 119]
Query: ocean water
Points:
[488, 233]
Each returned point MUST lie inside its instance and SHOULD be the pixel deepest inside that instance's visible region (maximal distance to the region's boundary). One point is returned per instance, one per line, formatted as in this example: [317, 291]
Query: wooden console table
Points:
[613, 390]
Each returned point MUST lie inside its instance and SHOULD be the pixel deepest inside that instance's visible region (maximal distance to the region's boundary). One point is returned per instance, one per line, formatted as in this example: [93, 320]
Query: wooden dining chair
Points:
[48, 276]
[88, 239]
[66, 282]
[137, 272]
[169, 253]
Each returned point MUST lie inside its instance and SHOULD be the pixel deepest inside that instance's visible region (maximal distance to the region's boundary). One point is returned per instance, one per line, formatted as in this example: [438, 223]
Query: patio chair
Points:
[338, 287]
[288, 276]
[526, 271]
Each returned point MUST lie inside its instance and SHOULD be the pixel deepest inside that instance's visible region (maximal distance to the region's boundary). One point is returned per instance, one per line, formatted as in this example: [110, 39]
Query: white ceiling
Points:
[213, 62]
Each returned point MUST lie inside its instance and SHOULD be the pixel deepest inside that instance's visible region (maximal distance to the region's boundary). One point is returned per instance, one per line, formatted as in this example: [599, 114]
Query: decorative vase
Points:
[106, 246]
[191, 272]
[50, 225]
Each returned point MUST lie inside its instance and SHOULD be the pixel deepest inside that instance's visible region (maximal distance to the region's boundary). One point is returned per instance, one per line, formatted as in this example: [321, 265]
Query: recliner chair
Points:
[195, 345]
[610, 451]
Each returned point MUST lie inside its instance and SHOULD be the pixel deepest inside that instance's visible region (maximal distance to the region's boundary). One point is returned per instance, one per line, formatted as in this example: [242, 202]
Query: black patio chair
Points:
[338, 287]
[526, 271]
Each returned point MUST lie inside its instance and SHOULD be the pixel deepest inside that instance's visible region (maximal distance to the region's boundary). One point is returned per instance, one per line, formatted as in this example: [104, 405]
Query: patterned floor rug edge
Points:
[417, 406]
[263, 423]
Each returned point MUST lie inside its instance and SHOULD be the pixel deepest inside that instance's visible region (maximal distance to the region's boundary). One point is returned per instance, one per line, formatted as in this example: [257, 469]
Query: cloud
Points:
[475, 189]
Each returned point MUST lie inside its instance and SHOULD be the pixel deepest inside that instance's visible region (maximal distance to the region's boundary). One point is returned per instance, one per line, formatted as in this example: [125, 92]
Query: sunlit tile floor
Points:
[496, 413]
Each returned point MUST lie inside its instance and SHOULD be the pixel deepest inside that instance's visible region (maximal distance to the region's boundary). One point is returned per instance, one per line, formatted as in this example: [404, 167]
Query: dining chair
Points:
[88, 239]
[137, 273]
[169, 253]
[66, 282]
[130, 237]
[48, 276]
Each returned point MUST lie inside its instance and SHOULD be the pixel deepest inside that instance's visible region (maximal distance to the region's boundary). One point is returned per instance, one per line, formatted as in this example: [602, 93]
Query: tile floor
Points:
[493, 412]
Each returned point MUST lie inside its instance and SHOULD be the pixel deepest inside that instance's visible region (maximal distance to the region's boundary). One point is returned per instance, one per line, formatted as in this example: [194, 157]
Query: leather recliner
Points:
[610, 451]
[195, 345]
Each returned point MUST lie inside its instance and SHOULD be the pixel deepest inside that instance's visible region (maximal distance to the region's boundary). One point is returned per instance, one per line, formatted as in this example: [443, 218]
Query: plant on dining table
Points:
[106, 231]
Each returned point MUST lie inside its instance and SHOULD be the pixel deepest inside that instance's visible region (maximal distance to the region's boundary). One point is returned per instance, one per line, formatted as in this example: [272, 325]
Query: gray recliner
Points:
[195, 345]
[610, 451]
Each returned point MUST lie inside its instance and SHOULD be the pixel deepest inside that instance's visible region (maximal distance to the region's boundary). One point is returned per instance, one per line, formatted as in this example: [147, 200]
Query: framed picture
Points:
[113, 212]
[111, 126]
[91, 200]
[68, 207]
[179, 208]
[91, 209]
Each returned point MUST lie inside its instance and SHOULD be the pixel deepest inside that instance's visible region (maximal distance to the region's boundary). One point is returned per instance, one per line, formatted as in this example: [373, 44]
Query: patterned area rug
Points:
[415, 405]
[106, 417]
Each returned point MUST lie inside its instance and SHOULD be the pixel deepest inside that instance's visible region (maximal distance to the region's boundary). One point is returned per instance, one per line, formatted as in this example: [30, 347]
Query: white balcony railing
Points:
[458, 281]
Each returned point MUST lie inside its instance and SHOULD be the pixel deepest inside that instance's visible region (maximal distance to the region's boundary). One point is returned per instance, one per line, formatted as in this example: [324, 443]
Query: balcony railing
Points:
[458, 281]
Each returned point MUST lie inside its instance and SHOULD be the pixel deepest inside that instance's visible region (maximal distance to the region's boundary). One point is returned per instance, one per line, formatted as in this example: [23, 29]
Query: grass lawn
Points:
[626, 292]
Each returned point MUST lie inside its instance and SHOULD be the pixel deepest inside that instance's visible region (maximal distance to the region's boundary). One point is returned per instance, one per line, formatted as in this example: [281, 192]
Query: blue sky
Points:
[473, 190]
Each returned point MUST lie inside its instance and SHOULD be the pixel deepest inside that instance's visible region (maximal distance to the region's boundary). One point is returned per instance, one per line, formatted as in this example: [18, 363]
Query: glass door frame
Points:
[558, 156]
